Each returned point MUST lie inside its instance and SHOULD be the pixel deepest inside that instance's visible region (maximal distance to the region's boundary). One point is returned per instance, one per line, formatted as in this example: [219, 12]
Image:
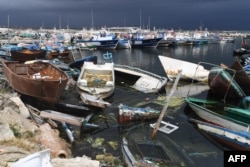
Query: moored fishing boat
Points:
[145, 43]
[26, 54]
[99, 43]
[40, 80]
[123, 44]
[65, 54]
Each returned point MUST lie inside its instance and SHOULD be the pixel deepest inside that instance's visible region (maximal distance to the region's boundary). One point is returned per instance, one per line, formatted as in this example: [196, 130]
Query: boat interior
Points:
[94, 79]
[36, 71]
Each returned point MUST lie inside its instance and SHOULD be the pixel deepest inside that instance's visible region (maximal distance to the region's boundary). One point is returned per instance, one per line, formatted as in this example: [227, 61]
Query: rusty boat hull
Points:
[40, 80]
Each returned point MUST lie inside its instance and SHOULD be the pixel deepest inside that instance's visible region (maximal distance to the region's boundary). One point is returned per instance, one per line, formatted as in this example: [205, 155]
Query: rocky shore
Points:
[21, 136]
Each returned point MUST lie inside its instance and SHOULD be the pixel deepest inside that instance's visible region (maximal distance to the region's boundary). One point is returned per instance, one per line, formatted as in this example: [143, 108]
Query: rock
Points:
[6, 132]
[16, 122]
[15, 145]
[75, 162]
[22, 108]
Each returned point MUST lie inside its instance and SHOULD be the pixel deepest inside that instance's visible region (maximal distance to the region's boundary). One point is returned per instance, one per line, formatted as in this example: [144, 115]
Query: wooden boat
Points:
[238, 113]
[26, 54]
[130, 114]
[40, 80]
[139, 149]
[65, 54]
[190, 71]
[241, 74]
[222, 83]
[214, 112]
[96, 82]
[139, 79]
[145, 43]
[232, 139]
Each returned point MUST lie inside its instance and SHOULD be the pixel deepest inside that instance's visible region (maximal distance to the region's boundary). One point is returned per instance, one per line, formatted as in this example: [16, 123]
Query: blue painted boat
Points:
[9, 47]
[78, 63]
[145, 43]
[232, 139]
[123, 44]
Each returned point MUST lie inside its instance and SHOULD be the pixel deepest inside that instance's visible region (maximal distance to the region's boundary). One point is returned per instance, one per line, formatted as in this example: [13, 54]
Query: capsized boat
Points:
[190, 71]
[40, 80]
[141, 80]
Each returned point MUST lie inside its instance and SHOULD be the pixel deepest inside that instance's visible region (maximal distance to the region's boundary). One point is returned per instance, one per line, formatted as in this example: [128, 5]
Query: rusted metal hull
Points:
[241, 77]
[25, 55]
[40, 79]
[130, 114]
[223, 84]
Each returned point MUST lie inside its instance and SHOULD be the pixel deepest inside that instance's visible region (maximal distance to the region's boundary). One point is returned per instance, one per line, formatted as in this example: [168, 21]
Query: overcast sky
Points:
[168, 14]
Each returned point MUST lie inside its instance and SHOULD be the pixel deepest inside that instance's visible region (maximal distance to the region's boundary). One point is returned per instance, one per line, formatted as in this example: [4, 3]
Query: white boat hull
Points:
[217, 118]
[189, 70]
[95, 83]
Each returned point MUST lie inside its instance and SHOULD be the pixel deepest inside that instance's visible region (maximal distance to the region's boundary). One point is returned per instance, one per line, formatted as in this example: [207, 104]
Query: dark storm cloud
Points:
[176, 14]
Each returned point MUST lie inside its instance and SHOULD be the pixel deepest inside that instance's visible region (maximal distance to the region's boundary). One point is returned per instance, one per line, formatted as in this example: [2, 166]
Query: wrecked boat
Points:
[142, 80]
[40, 80]
[139, 149]
[190, 71]
[95, 83]
[129, 114]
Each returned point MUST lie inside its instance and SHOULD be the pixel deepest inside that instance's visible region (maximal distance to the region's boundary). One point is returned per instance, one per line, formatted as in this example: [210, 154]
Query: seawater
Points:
[98, 142]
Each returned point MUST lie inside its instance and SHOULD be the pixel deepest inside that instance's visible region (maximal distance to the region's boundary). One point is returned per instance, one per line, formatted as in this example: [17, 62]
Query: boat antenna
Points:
[8, 29]
[140, 18]
[92, 19]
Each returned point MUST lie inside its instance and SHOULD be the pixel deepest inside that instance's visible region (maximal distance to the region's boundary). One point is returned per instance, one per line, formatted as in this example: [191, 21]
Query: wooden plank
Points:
[62, 117]
[166, 105]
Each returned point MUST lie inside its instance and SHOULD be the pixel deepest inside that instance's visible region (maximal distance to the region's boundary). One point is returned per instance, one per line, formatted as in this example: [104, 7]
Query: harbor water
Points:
[106, 140]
